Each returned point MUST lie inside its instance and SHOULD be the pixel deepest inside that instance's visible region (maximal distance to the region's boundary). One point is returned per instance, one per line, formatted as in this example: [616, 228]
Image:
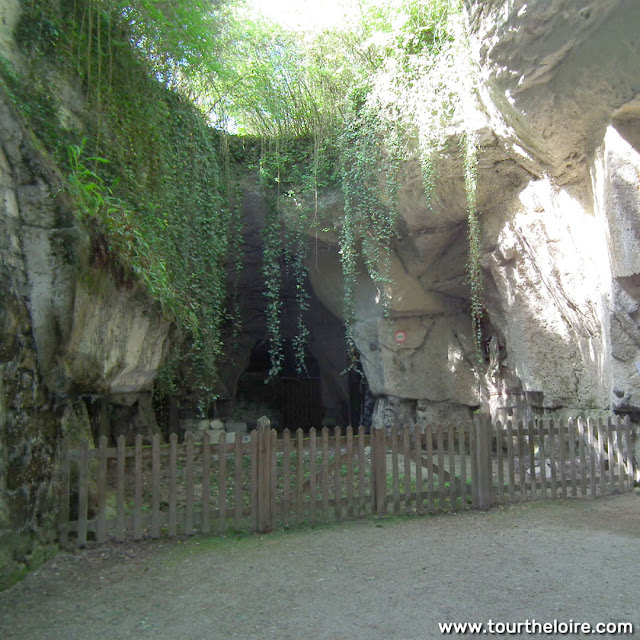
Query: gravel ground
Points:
[386, 579]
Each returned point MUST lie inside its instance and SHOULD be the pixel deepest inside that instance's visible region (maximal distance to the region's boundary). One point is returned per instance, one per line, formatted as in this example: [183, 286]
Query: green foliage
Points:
[118, 238]
[272, 270]
[474, 270]
[327, 109]
[32, 98]
[292, 170]
[277, 83]
[176, 41]
[424, 83]
[151, 179]
[398, 74]
[403, 31]
[370, 165]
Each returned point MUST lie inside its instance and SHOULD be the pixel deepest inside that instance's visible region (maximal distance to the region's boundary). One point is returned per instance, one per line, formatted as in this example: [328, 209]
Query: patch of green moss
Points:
[12, 574]
[15, 565]
[40, 555]
[13, 562]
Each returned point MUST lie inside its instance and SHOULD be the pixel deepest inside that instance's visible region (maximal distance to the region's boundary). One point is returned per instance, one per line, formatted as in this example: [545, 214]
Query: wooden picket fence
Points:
[276, 480]
[548, 459]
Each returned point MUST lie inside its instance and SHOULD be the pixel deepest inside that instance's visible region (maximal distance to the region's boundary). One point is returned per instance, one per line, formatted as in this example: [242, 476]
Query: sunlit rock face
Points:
[559, 197]
[553, 74]
[559, 82]
[617, 180]
[547, 283]
[117, 341]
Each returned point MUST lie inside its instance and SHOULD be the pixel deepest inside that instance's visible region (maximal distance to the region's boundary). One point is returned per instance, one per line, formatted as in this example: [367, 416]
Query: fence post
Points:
[83, 494]
[630, 436]
[265, 488]
[482, 462]
[101, 525]
[379, 470]
[65, 491]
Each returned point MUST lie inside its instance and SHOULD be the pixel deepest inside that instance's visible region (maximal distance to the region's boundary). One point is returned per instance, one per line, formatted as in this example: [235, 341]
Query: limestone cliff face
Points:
[558, 183]
[71, 335]
[561, 80]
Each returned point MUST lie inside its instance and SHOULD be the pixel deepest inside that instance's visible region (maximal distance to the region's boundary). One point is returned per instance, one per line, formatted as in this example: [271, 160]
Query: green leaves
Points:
[178, 39]
[92, 197]
[291, 171]
[469, 145]
[371, 154]
[329, 108]
[389, 76]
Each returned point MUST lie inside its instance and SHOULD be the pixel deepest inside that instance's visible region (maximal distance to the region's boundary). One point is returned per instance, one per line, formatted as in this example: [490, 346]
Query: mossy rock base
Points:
[13, 574]
[19, 555]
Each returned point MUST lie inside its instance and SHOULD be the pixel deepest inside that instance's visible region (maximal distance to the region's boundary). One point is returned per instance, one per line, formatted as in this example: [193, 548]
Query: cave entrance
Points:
[360, 400]
[301, 403]
[325, 396]
[290, 401]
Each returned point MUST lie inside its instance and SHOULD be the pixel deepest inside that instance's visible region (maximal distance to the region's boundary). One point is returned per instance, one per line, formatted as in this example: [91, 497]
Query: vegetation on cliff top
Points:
[164, 84]
[383, 86]
[107, 90]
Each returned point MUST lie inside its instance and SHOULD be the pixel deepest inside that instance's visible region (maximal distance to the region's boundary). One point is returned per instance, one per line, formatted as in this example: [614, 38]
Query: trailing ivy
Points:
[292, 171]
[406, 68]
[422, 87]
[370, 163]
[469, 144]
[150, 178]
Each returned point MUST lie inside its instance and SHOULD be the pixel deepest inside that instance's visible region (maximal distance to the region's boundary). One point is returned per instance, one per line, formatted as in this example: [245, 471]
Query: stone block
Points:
[215, 436]
[233, 426]
[263, 423]
[204, 425]
[231, 437]
[190, 424]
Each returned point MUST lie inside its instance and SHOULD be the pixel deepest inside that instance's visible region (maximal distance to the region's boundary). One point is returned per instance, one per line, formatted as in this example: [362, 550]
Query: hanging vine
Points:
[292, 170]
[469, 145]
[149, 177]
[370, 164]
[272, 255]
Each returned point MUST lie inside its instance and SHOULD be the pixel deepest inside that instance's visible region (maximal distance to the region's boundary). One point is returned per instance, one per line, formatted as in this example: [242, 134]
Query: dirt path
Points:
[390, 579]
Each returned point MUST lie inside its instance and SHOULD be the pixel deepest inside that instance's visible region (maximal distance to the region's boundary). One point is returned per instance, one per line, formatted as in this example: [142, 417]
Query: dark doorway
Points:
[291, 401]
[358, 396]
[301, 403]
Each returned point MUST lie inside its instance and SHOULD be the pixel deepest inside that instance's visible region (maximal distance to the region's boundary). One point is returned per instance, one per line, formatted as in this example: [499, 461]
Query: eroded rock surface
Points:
[72, 338]
[558, 183]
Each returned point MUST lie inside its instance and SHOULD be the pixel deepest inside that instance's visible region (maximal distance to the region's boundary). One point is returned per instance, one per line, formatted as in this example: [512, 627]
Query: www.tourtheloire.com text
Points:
[533, 626]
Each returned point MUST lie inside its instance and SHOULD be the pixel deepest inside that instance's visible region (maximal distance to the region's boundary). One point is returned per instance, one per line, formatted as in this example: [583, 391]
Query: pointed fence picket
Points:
[560, 459]
[268, 480]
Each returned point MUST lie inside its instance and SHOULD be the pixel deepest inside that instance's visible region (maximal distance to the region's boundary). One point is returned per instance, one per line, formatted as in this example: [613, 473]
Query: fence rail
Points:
[153, 489]
[574, 459]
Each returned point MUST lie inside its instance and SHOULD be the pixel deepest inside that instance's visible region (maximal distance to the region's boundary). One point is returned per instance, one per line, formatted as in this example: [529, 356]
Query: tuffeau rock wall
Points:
[77, 347]
[557, 119]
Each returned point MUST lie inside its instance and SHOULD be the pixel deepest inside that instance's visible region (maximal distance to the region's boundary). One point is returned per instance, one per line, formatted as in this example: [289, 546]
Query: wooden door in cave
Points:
[301, 403]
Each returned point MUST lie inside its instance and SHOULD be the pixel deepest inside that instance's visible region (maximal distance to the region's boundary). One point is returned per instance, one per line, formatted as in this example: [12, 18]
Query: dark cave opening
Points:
[298, 401]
